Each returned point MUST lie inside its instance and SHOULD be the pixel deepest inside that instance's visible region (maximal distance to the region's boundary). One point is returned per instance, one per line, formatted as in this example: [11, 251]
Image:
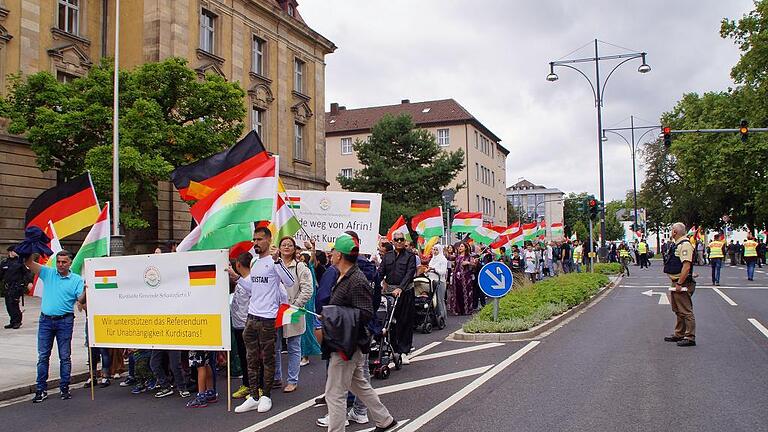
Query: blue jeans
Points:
[751, 263]
[61, 330]
[717, 264]
[106, 361]
[294, 357]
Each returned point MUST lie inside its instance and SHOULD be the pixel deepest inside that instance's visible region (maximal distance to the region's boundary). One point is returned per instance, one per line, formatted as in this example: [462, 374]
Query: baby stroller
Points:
[425, 301]
[382, 355]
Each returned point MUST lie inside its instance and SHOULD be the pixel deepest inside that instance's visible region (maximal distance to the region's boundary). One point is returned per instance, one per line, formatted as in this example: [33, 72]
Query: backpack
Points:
[672, 263]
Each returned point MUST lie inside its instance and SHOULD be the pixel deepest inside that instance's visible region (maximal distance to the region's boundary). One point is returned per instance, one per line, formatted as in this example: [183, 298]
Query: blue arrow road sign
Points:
[495, 279]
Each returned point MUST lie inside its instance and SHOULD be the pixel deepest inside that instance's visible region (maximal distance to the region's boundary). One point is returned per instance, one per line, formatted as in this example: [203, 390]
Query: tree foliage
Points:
[703, 177]
[574, 211]
[405, 165]
[168, 117]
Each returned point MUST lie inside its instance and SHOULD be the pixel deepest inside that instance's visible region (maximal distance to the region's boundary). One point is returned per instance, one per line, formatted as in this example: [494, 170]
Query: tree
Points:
[573, 211]
[581, 230]
[405, 165]
[168, 117]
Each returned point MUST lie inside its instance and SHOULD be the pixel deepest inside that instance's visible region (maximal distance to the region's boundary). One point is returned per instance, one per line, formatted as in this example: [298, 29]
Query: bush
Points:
[528, 305]
[608, 268]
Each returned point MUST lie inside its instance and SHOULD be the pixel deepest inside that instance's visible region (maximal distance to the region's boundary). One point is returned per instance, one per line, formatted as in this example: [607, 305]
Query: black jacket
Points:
[343, 331]
[15, 275]
[397, 270]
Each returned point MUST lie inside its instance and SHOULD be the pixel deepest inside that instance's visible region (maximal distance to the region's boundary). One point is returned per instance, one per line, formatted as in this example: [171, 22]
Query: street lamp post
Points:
[632, 146]
[598, 90]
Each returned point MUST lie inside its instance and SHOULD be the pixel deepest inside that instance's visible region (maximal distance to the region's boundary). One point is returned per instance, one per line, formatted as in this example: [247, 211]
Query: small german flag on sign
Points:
[360, 206]
[202, 275]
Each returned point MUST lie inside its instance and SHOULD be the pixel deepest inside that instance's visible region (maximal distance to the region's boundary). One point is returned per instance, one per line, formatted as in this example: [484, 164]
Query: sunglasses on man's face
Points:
[399, 239]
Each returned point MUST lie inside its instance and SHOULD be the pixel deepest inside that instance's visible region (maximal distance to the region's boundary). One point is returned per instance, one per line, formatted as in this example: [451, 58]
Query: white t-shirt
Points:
[264, 286]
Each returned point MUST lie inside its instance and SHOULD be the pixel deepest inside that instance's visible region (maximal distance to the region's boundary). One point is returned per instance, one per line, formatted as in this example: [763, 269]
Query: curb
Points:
[534, 332]
[28, 389]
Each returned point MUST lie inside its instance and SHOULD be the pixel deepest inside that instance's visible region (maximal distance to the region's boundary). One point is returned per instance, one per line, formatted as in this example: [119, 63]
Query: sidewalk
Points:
[18, 352]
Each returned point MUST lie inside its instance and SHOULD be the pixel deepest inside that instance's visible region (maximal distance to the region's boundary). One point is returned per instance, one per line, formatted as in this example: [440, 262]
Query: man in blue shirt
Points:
[62, 289]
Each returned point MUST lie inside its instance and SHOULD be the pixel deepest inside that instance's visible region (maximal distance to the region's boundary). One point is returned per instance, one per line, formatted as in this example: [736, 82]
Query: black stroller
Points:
[425, 301]
[382, 357]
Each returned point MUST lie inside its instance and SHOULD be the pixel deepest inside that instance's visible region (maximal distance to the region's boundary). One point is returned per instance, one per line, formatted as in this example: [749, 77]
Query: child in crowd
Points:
[142, 374]
[206, 393]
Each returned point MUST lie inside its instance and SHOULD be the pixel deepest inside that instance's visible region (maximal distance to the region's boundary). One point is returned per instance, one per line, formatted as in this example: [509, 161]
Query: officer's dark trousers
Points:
[12, 306]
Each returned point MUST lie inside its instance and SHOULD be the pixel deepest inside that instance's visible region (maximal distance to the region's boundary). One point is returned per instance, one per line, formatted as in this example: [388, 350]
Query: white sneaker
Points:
[404, 359]
[359, 419]
[265, 404]
[323, 421]
[250, 404]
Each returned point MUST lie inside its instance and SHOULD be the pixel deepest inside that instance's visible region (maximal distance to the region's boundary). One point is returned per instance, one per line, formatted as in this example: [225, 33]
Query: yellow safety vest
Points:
[716, 249]
[642, 248]
[577, 254]
[623, 253]
[750, 248]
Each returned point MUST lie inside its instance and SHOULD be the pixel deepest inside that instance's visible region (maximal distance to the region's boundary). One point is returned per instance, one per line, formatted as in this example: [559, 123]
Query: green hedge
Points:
[532, 304]
[608, 268]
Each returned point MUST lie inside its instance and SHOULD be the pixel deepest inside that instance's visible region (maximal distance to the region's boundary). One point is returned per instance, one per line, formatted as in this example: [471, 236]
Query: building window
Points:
[207, 31]
[291, 10]
[69, 16]
[443, 138]
[477, 171]
[298, 75]
[477, 199]
[298, 143]
[346, 146]
[257, 56]
[493, 179]
[346, 172]
[477, 139]
[64, 77]
[257, 122]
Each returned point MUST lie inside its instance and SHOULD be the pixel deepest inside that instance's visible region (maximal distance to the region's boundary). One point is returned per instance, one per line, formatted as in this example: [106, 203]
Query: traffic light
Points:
[594, 210]
[667, 131]
[744, 130]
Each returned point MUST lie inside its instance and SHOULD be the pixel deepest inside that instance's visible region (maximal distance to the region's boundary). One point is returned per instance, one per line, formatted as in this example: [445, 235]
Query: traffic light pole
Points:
[591, 247]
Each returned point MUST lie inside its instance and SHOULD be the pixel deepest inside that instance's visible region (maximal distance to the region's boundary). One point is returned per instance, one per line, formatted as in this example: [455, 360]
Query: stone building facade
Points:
[265, 45]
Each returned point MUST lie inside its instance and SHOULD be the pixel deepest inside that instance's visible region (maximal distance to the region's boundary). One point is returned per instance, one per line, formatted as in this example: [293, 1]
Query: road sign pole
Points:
[495, 309]
[591, 246]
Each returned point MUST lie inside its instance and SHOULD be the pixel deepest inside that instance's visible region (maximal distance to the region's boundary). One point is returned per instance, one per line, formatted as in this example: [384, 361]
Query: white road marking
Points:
[743, 288]
[725, 297]
[759, 326]
[663, 299]
[456, 397]
[457, 351]
[381, 391]
[645, 286]
[426, 347]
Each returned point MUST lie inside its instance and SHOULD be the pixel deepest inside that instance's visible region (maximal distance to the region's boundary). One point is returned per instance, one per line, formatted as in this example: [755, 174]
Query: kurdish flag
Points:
[399, 226]
[428, 223]
[503, 241]
[360, 206]
[202, 275]
[285, 223]
[557, 230]
[55, 245]
[529, 231]
[294, 203]
[105, 279]
[429, 245]
[466, 222]
[574, 237]
[515, 236]
[96, 244]
[289, 314]
[484, 235]
[71, 206]
[542, 231]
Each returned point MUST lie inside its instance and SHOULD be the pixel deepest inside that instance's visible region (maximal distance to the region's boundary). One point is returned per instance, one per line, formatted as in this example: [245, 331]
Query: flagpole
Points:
[117, 241]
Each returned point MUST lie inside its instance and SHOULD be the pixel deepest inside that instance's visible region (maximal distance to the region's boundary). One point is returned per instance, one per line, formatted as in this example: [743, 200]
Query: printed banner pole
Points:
[90, 371]
[229, 384]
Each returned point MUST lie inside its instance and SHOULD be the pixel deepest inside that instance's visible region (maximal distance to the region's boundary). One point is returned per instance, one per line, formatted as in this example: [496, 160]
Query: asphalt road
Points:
[607, 370]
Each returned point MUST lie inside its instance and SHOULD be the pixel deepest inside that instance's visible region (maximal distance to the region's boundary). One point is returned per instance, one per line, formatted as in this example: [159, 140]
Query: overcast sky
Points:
[492, 57]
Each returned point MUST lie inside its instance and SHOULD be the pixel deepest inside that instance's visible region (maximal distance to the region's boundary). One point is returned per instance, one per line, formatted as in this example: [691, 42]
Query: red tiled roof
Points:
[444, 111]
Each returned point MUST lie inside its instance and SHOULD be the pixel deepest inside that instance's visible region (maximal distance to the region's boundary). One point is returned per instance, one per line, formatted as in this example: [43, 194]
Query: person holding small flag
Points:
[266, 296]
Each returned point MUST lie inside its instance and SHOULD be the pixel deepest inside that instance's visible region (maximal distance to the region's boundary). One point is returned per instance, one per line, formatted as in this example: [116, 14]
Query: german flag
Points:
[197, 180]
[71, 206]
[360, 206]
[202, 275]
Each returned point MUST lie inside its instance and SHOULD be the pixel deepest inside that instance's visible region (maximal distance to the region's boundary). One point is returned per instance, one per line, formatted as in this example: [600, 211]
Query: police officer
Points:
[642, 250]
[16, 277]
[750, 255]
[716, 256]
[624, 257]
[678, 268]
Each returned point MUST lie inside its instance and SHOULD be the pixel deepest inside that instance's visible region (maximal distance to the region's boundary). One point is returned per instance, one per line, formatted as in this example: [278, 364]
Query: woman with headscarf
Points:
[439, 263]
[460, 299]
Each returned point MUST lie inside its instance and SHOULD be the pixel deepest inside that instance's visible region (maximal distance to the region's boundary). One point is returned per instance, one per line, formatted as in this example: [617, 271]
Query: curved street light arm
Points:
[622, 137]
[605, 82]
[644, 133]
[582, 74]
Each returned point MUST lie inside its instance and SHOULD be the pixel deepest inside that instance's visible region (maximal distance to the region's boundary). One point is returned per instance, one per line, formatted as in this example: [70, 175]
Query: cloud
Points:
[492, 57]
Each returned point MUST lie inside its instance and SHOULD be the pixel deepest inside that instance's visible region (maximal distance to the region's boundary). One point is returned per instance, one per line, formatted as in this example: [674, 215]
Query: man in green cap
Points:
[352, 290]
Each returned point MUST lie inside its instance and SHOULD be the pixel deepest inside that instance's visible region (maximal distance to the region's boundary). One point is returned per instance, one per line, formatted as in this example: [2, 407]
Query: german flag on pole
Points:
[71, 206]
[202, 275]
[197, 180]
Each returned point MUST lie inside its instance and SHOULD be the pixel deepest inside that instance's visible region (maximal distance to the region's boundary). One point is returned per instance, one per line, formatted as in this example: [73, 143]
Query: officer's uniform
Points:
[750, 257]
[716, 259]
[642, 249]
[682, 305]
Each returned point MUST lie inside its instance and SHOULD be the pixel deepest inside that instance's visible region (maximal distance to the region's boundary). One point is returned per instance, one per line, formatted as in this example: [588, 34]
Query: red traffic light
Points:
[592, 203]
[667, 130]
